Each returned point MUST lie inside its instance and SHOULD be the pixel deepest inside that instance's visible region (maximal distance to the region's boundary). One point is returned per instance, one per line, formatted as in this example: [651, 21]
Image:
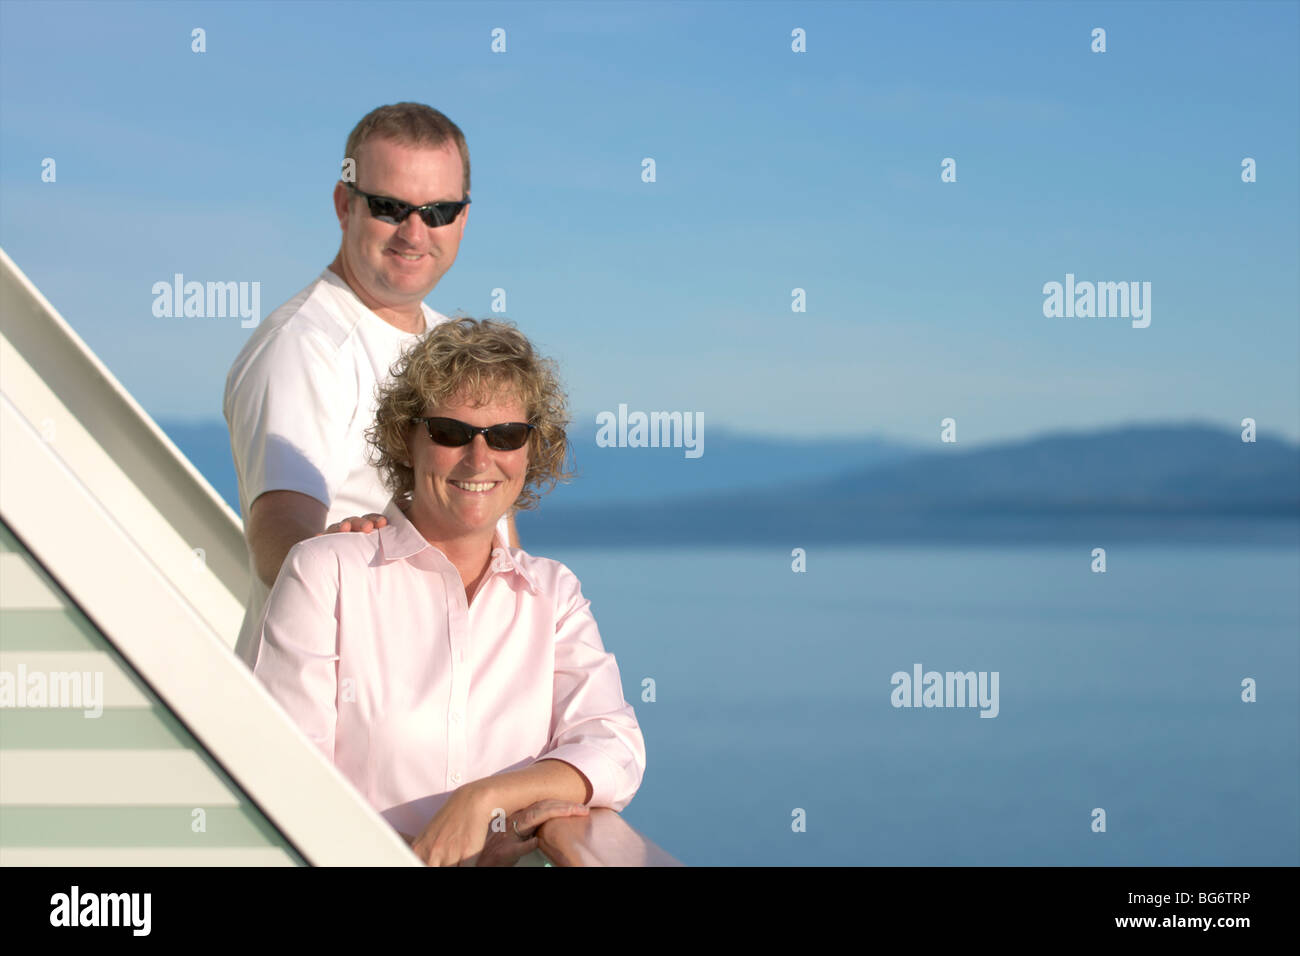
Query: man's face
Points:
[393, 267]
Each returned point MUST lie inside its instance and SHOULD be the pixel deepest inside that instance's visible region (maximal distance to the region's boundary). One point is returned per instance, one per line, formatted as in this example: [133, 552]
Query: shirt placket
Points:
[458, 626]
[458, 703]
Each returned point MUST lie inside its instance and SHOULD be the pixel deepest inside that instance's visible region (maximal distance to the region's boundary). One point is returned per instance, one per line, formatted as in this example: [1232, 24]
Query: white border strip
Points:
[107, 439]
[115, 686]
[110, 778]
[143, 856]
[116, 489]
[22, 589]
[9, 272]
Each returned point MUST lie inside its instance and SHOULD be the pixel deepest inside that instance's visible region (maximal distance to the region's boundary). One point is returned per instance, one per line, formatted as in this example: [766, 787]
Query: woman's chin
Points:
[468, 519]
[476, 520]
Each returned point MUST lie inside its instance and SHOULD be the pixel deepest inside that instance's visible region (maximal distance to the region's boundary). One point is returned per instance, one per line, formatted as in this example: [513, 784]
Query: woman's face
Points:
[461, 491]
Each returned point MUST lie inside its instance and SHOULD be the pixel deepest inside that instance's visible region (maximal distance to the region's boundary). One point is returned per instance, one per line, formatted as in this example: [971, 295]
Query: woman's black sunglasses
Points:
[394, 211]
[507, 436]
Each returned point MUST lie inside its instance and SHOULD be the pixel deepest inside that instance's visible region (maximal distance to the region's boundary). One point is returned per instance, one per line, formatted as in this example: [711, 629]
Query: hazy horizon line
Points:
[917, 444]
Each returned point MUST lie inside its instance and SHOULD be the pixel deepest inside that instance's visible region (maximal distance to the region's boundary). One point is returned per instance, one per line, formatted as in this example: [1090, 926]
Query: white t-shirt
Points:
[298, 401]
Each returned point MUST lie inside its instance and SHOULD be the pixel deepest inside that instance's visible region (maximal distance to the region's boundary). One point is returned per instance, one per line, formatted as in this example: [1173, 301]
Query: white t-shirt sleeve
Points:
[290, 417]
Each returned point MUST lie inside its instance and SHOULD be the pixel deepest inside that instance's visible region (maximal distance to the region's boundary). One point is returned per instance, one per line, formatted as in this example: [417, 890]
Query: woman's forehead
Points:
[503, 399]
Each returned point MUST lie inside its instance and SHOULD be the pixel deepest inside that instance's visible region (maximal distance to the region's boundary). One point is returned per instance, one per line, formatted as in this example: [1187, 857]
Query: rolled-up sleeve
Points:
[298, 658]
[592, 726]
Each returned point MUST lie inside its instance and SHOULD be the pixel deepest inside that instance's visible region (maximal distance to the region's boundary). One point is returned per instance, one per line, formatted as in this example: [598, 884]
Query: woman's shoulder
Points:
[551, 577]
[343, 548]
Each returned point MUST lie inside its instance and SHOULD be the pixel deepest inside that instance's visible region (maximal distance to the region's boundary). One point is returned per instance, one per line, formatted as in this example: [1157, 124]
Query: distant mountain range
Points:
[1158, 482]
[730, 462]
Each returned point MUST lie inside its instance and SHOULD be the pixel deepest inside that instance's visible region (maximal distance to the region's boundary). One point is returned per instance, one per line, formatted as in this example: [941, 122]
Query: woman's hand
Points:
[457, 831]
[505, 849]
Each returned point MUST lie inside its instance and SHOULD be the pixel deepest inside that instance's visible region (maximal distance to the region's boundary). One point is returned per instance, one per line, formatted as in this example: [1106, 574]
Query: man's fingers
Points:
[364, 524]
[369, 523]
[533, 817]
[521, 848]
[501, 852]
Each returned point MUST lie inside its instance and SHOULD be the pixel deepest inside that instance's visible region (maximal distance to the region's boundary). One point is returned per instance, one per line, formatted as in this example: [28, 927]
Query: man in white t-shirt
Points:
[300, 395]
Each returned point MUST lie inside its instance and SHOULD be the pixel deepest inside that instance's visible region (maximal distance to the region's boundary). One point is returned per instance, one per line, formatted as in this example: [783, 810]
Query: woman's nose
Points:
[478, 453]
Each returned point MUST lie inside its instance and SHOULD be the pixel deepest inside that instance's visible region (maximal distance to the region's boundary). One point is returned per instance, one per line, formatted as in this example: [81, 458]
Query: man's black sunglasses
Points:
[507, 436]
[387, 209]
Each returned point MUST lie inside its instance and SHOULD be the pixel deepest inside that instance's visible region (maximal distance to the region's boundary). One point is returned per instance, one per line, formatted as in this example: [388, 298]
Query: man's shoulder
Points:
[312, 327]
[316, 314]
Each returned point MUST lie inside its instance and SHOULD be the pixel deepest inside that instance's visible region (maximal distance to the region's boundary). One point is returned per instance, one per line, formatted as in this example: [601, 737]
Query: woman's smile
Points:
[474, 487]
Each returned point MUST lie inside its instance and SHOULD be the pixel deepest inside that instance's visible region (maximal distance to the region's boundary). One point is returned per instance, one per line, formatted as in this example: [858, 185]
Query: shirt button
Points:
[455, 716]
[455, 778]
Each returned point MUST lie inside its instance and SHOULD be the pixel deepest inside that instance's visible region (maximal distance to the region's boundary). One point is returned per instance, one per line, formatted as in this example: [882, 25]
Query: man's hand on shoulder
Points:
[364, 524]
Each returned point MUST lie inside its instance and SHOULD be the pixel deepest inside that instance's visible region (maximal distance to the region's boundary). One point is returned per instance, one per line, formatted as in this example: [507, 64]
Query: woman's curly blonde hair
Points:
[477, 361]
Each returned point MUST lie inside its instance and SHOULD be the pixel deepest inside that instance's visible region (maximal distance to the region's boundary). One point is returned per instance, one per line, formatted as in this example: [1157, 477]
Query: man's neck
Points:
[406, 321]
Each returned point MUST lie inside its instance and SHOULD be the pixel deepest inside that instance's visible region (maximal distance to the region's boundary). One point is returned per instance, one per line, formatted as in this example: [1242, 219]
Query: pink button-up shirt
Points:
[368, 643]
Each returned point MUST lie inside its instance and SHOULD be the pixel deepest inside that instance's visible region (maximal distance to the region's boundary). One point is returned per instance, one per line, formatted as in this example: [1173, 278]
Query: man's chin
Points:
[408, 287]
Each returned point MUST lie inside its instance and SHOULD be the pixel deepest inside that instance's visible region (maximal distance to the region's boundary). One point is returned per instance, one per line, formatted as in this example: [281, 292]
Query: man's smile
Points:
[408, 256]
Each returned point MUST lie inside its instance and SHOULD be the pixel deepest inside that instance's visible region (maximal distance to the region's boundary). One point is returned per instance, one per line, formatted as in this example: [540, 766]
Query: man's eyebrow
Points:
[407, 201]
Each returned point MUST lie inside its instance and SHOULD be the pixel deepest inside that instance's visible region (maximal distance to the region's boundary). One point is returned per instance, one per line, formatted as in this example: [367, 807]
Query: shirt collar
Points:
[400, 539]
[430, 316]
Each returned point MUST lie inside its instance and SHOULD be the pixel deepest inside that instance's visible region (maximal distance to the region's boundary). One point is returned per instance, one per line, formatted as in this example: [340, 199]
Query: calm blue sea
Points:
[1120, 691]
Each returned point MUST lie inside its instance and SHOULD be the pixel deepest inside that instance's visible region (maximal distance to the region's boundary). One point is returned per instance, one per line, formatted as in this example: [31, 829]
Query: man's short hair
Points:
[411, 124]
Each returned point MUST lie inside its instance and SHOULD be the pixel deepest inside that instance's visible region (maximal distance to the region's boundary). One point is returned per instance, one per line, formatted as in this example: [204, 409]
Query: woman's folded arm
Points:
[512, 790]
[593, 728]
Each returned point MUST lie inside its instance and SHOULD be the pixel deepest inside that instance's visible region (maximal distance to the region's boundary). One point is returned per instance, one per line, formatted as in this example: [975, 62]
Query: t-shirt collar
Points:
[333, 278]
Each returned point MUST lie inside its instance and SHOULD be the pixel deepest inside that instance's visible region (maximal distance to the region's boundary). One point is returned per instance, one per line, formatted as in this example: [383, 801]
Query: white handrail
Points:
[95, 425]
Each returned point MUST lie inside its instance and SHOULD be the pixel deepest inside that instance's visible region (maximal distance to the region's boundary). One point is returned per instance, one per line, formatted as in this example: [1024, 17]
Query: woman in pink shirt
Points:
[460, 685]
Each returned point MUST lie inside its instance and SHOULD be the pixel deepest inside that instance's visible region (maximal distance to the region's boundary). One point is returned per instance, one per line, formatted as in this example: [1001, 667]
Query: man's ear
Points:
[342, 196]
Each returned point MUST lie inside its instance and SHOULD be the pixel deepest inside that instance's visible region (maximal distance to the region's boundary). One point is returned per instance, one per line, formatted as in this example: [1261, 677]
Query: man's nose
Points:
[412, 229]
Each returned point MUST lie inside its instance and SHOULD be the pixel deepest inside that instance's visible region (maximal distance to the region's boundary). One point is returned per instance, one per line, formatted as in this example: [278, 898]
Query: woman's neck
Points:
[470, 553]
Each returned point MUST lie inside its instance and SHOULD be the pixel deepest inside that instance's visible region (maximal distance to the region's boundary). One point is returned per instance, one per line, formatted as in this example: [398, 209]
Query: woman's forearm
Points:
[548, 779]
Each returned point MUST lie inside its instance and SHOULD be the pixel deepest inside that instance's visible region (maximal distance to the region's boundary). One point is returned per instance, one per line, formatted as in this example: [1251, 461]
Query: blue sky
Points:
[775, 170]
